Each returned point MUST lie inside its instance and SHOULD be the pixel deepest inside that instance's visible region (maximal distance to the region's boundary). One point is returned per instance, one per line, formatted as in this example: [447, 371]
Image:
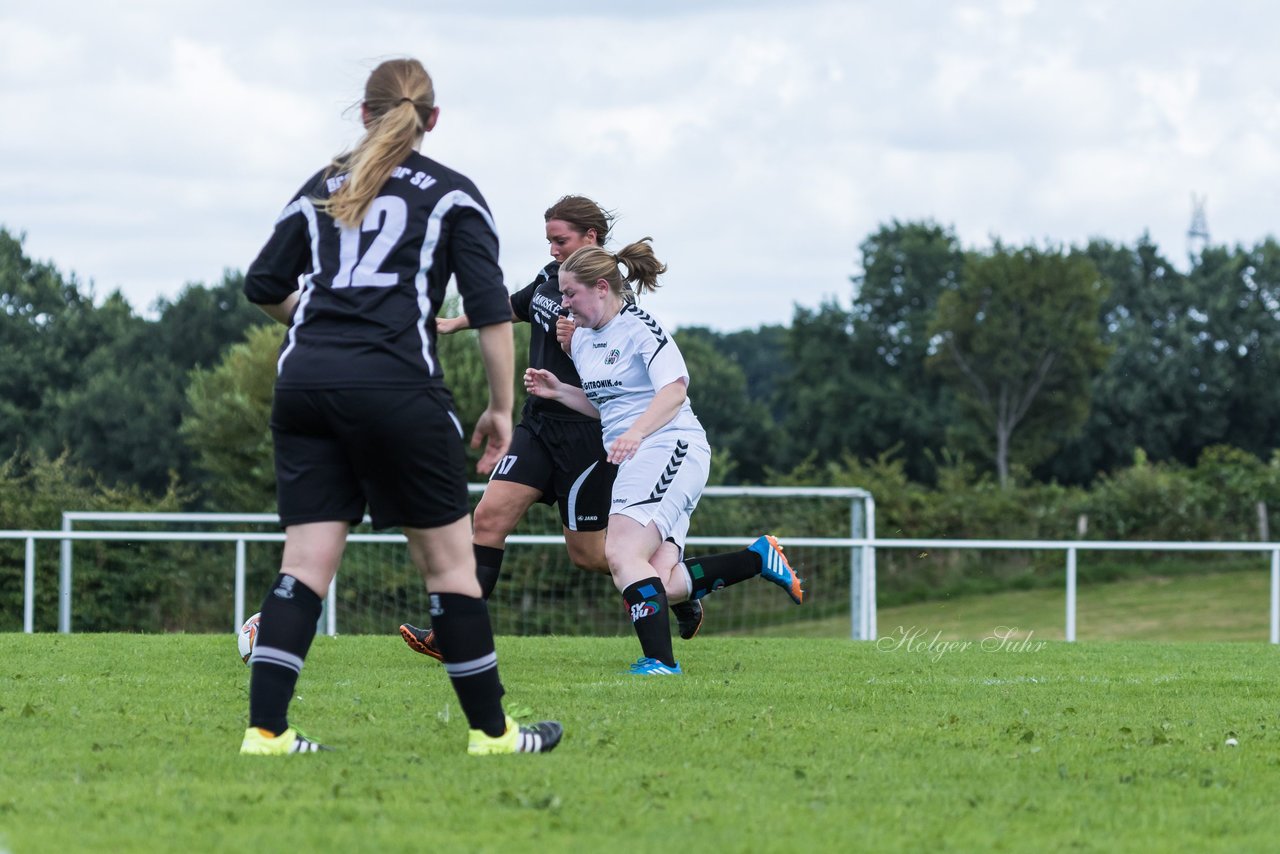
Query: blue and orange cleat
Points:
[774, 566]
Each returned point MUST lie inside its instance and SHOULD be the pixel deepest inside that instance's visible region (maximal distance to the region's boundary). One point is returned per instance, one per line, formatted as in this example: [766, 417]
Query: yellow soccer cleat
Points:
[541, 737]
[259, 742]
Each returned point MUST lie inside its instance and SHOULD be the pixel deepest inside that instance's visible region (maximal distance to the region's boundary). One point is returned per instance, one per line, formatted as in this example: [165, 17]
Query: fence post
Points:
[1275, 595]
[869, 568]
[331, 608]
[239, 586]
[856, 528]
[1070, 633]
[29, 589]
[64, 582]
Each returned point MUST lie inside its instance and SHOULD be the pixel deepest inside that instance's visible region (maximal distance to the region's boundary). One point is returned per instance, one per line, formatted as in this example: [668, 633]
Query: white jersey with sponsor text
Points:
[623, 364]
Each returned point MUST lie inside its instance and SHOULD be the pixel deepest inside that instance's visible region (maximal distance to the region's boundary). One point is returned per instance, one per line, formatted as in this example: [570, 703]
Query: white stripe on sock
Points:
[271, 655]
[471, 668]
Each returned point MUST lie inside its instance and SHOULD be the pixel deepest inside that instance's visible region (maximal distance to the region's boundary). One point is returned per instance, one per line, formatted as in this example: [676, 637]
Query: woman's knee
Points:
[586, 551]
[494, 520]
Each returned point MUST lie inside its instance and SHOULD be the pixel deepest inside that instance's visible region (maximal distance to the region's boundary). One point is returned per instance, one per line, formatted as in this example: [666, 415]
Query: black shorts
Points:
[566, 460]
[397, 451]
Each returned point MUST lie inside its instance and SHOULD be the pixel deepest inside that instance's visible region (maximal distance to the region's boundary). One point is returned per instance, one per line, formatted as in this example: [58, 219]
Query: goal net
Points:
[217, 572]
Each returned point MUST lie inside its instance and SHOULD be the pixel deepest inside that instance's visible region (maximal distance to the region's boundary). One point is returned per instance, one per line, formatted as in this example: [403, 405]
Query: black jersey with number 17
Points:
[366, 313]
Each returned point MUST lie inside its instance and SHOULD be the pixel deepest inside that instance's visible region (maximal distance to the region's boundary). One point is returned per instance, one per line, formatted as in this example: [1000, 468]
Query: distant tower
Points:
[1198, 232]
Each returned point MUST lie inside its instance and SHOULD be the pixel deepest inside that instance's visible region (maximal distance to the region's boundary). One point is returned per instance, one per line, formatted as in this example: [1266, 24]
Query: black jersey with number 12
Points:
[366, 314]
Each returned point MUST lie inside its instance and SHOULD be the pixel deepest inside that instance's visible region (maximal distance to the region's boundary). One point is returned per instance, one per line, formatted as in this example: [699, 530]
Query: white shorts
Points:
[663, 482]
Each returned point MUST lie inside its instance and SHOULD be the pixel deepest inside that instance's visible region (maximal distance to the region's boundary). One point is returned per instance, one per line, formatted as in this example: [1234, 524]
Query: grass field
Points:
[1229, 606]
[128, 743]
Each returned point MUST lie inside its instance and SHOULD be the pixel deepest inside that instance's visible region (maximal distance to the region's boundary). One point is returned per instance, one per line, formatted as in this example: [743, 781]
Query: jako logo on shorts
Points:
[640, 610]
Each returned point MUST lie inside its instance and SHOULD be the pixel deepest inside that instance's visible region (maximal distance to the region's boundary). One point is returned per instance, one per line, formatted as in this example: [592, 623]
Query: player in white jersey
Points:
[634, 377]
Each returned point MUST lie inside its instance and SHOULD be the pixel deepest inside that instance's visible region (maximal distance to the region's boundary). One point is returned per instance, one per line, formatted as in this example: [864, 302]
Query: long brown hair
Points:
[583, 215]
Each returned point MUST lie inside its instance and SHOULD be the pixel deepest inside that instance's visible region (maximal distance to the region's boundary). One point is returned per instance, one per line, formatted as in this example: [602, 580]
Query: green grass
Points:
[128, 743]
[1230, 606]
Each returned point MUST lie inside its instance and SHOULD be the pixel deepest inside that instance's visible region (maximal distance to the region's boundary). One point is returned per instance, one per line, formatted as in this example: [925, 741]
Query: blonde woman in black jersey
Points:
[361, 417]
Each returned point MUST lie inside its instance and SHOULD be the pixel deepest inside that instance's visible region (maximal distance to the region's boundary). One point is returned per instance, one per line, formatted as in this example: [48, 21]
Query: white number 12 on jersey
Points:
[387, 216]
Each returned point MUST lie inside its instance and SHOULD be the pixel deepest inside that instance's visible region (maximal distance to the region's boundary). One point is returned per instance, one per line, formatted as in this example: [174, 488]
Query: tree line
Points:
[1029, 392]
[1026, 364]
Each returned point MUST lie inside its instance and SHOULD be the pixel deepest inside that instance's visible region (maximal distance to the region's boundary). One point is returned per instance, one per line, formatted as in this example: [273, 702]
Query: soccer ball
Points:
[248, 636]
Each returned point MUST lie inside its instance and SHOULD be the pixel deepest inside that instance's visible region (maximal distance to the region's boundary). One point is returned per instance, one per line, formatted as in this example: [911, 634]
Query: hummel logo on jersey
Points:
[648, 321]
[672, 469]
[640, 610]
[600, 345]
[653, 326]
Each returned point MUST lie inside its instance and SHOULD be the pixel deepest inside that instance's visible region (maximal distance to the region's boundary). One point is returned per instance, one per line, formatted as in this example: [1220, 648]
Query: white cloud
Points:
[758, 143]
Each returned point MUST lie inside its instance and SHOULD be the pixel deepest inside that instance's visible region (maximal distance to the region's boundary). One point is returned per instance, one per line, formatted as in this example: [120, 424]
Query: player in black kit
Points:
[556, 454]
[361, 415]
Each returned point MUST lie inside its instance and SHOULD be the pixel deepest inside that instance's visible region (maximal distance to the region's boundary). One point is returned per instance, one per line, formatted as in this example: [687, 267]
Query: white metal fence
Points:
[861, 556]
[862, 546]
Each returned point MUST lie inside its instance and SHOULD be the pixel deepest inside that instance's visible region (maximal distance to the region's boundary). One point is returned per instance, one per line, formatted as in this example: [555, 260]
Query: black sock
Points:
[465, 639]
[647, 605]
[720, 570]
[290, 611]
[488, 568]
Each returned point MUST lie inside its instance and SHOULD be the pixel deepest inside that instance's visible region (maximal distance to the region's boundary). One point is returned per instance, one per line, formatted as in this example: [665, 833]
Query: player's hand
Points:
[541, 383]
[450, 325]
[564, 333]
[493, 432]
[624, 447]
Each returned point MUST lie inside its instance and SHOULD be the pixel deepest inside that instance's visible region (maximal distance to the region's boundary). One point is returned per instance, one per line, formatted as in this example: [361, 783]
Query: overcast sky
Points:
[146, 145]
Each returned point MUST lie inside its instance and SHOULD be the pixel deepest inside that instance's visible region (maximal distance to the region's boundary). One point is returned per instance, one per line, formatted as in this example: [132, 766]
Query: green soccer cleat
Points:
[421, 640]
[541, 737]
[258, 742]
[688, 618]
[774, 566]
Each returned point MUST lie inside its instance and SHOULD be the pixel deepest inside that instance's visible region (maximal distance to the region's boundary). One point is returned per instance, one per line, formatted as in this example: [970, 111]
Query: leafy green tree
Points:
[45, 335]
[228, 423]
[227, 427]
[1193, 364]
[907, 267]
[1019, 341]
[857, 382]
[194, 330]
[117, 586]
[736, 423]
[761, 354]
[1240, 346]
[824, 392]
[1145, 397]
